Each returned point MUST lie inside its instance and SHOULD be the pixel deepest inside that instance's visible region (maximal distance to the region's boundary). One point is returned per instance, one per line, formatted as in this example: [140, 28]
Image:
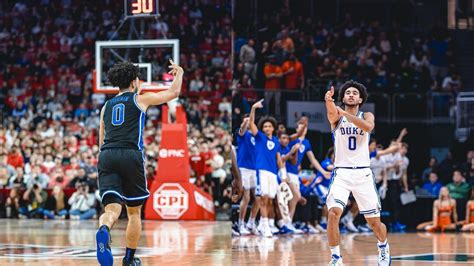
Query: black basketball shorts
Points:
[122, 177]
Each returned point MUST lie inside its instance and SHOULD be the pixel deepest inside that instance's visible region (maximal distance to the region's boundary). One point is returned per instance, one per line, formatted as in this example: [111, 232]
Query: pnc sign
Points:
[167, 153]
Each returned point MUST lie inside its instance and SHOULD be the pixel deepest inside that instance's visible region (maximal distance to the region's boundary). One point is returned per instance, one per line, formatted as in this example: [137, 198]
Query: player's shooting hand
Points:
[258, 104]
[175, 69]
[404, 132]
[329, 95]
[304, 120]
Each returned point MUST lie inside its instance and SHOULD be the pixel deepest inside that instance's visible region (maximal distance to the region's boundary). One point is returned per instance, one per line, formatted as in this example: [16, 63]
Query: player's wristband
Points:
[283, 173]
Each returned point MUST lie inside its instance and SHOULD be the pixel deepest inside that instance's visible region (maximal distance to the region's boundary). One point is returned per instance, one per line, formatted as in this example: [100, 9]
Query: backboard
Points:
[151, 56]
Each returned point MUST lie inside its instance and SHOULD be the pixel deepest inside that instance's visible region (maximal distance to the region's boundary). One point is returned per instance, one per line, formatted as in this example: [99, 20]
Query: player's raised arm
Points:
[402, 134]
[300, 130]
[253, 126]
[244, 126]
[390, 149]
[332, 113]
[294, 150]
[156, 98]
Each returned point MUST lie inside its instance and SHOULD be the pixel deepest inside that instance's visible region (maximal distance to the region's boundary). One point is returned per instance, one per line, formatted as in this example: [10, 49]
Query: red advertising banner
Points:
[172, 196]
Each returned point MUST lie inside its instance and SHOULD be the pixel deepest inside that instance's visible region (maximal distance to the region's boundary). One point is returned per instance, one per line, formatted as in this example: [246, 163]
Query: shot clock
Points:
[141, 8]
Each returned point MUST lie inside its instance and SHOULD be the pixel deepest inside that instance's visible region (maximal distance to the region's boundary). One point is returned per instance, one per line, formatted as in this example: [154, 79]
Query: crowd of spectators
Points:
[457, 176]
[50, 118]
[293, 52]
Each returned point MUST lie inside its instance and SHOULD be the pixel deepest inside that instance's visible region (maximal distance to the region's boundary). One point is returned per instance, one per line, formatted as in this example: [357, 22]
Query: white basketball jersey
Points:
[351, 144]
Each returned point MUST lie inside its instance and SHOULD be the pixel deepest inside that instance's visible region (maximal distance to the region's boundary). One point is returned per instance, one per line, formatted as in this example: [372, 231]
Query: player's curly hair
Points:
[122, 74]
[359, 86]
[265, 119]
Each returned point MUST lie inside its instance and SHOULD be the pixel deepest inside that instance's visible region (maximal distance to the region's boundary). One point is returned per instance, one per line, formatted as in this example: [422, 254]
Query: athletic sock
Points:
[335, 251]
[382, 244]
[251, 221]
[324, 220]
[129, 254]
[264, 221]
[241, 222]
[271, 222]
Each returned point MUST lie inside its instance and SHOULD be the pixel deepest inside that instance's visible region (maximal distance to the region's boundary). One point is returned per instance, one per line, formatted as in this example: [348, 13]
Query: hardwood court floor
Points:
[418, 249]
[64, 242]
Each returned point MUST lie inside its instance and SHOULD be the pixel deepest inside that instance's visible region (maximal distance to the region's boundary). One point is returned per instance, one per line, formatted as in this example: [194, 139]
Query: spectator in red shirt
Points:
[15, 158]
[196, 162]
[206, 157]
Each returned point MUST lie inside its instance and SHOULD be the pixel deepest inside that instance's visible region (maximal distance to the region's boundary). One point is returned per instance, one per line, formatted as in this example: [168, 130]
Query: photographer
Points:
[35, 197]
[56, 204]
[37, 177]
[82, 203]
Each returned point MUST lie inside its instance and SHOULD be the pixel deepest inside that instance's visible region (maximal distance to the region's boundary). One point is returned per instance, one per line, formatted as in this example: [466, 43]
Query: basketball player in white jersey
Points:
[351, 131]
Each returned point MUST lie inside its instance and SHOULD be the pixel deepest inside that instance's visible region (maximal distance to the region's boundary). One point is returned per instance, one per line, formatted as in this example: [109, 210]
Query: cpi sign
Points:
[170, 201]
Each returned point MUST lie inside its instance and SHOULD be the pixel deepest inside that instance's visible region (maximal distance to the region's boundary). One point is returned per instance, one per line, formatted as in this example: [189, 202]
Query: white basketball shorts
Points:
[294, 179]
[249, 178]
[267, 184]
[361, 183]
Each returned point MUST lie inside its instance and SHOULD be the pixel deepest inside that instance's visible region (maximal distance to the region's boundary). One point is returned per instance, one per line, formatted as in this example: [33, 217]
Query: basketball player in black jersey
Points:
[121, 158]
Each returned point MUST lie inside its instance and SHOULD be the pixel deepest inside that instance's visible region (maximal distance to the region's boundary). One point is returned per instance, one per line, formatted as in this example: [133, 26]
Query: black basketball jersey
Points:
[124, 122]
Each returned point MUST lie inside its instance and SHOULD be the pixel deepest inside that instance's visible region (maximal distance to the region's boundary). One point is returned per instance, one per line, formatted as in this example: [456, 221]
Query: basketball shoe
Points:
[336, 261]
[384, 255]
[104, 253]
[134, 262]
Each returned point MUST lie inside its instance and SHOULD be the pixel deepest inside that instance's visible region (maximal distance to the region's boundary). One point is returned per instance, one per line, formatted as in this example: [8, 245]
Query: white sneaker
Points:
[297, 231]
[243, 230]
[320, 228]
[260, 230]
[336, 261]
[253, 228]
[274, 230]
[312, 230]
[267, 232]
[349, 224]
[234, 232]
[384, 255]
[351, 227]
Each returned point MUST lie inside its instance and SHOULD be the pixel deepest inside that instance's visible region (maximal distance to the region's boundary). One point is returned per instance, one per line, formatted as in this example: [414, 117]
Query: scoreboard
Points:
[141, 8]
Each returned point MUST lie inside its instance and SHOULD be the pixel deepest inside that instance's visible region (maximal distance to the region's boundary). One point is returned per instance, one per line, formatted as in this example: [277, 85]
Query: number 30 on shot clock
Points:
[141, 8]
